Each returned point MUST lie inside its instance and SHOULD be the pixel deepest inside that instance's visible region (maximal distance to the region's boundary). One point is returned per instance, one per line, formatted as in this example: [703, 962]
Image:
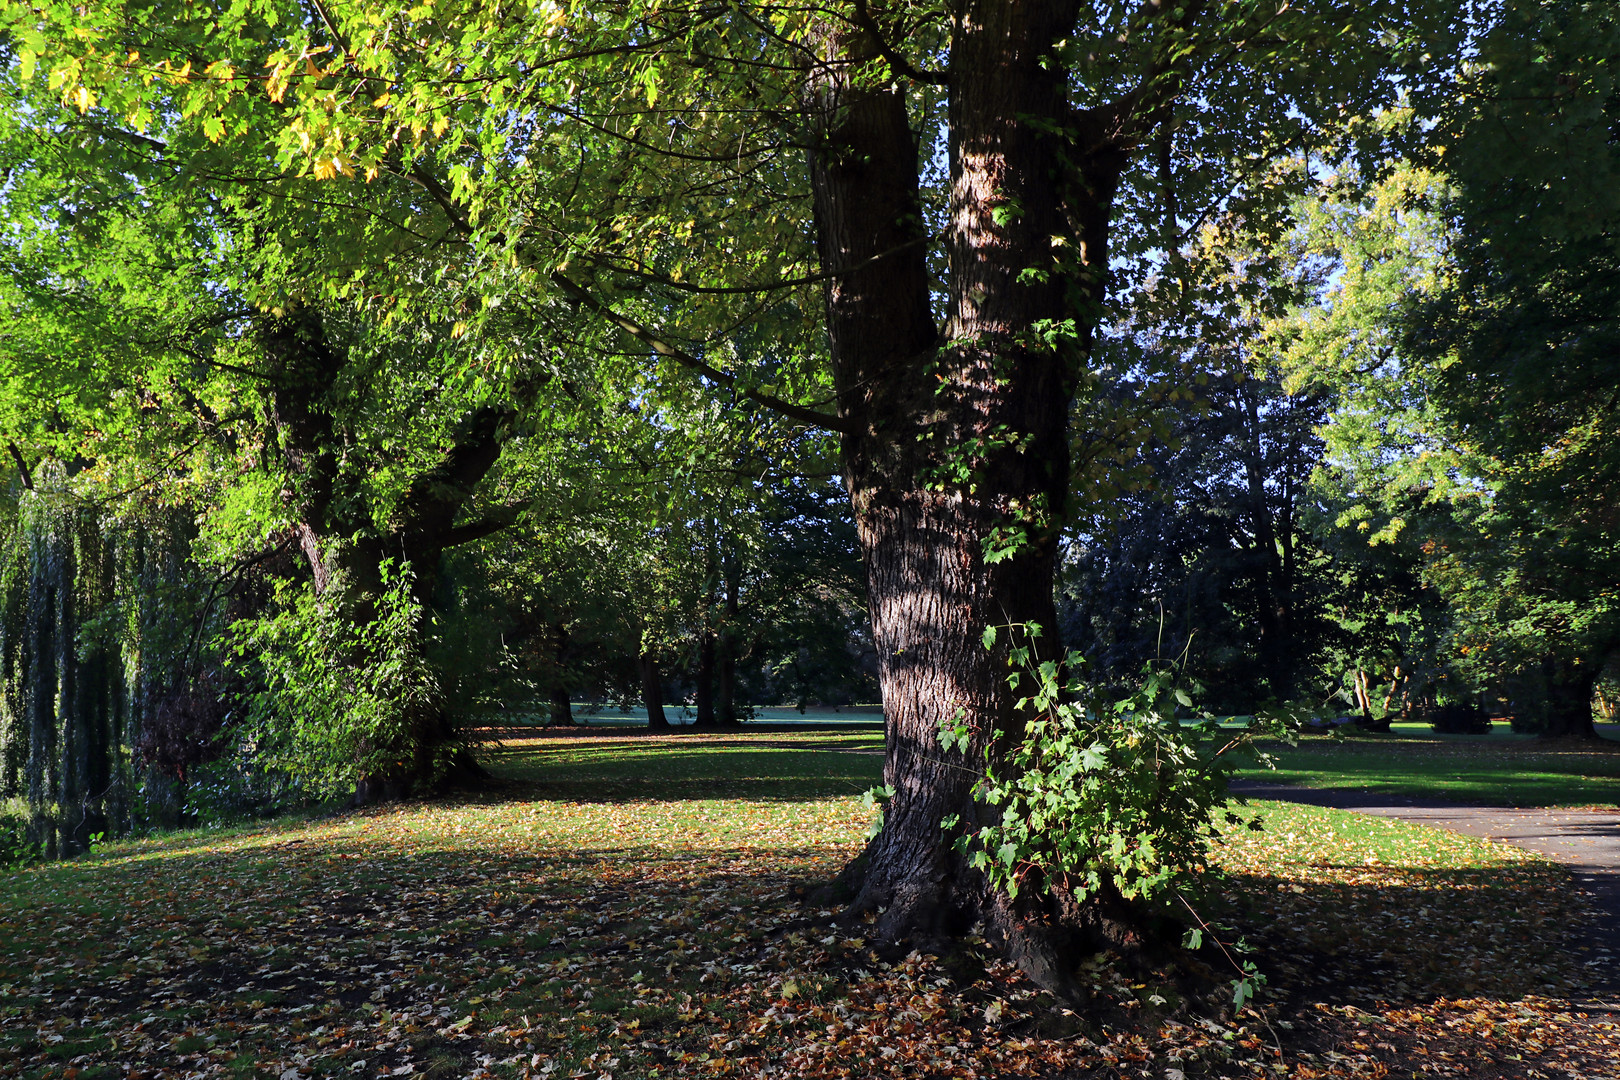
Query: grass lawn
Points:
[621, 907]
[1498, 769]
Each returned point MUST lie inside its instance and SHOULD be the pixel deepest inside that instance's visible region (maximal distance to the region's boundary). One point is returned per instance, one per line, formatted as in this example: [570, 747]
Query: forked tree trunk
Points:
[1395, 684]
[345, 551]
[956, 444]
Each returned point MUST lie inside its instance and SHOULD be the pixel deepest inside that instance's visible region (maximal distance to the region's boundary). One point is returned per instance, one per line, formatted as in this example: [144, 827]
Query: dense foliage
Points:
[1117, 798]
[1525, 352]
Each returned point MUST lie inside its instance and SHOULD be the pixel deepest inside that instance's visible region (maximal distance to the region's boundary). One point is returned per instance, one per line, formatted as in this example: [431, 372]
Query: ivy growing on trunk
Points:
[1112, 798]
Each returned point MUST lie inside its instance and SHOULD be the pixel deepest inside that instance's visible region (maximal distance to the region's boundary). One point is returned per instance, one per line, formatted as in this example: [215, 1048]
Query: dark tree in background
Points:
[1526, 344]
[1212, 557]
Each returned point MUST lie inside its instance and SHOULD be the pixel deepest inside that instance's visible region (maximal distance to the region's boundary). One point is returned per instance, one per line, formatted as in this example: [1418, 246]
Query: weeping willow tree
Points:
[99, 620]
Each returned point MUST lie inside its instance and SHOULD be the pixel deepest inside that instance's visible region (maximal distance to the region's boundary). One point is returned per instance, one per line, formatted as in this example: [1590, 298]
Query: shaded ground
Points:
[556, 932]
[1588, 841]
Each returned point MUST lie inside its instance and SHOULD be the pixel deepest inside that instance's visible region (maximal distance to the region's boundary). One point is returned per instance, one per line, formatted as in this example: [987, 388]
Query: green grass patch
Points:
[773, 765]
[1497, 769]
[622, 905]
[1381, 910]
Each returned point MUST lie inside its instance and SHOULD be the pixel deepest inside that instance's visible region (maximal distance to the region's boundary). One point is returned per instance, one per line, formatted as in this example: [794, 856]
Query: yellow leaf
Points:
[84, 99]
[440, 125]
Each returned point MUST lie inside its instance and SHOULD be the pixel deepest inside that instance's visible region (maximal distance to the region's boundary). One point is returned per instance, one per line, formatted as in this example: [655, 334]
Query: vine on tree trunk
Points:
[1099, 797]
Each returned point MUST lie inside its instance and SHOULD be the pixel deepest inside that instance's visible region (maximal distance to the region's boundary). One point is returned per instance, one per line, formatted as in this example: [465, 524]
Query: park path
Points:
[1588, 841]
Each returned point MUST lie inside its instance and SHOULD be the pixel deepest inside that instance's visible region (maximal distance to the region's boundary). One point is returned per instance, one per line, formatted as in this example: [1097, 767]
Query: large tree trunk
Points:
[562, 709]
[1570, 687]
[725, 683]
[1271, 582]
[726, 660]
[652, 693]
[956, 445]
[703, 693]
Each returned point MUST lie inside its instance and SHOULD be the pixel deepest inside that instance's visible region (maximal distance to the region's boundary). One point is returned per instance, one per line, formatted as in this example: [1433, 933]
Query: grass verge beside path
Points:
[1499, 769]
[620, 909]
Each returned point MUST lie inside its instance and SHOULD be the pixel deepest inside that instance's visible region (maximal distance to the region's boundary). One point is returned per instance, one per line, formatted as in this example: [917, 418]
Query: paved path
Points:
[1587, 840]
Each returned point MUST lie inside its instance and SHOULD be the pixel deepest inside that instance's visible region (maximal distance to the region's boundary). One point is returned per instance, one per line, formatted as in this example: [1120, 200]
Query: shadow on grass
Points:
[469, 939]
[685, 768]
[176, 950]
[1372, 937]
[1414, 935]
[1522, 772]
[1484, 788]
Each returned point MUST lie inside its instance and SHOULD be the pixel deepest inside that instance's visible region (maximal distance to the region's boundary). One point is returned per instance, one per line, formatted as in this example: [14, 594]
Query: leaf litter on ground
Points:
[540, 932]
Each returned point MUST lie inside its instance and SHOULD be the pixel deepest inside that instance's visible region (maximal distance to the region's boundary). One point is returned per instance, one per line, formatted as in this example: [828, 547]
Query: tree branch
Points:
[22, 466]
[153, 478]
[237, 569]
[773, 286]
[897, 63]
[491, 523]
[331, 28]
[446, 487]
[586, 299]
[1124, 122]
[663, 151]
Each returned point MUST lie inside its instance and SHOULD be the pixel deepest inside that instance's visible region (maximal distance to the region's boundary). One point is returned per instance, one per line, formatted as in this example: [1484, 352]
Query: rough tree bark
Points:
[957, 442]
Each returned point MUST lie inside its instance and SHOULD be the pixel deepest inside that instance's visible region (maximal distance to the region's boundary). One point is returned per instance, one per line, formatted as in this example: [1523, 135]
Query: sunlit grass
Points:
[1497, 769]
[624, 905]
